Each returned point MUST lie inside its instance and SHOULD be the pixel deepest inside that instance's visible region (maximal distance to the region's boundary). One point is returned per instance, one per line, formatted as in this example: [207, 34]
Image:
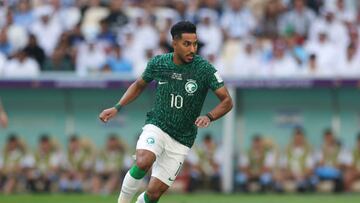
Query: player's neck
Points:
[176, 60]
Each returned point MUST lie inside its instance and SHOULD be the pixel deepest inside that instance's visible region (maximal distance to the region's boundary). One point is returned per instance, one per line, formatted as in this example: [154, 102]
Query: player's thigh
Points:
[168, 167]
[151, 139]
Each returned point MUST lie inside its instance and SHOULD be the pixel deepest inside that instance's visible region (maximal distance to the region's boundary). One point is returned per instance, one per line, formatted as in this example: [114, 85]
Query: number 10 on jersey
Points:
[177, 101]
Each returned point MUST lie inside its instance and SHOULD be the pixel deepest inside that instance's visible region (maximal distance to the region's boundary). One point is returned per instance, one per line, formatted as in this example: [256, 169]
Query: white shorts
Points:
[170, 154]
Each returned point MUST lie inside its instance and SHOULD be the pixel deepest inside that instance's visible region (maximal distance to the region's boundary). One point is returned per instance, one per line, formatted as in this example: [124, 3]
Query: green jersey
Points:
[180, 94]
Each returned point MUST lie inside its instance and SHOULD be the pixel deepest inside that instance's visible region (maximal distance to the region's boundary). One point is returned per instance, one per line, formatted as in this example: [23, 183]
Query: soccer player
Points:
[183, 79]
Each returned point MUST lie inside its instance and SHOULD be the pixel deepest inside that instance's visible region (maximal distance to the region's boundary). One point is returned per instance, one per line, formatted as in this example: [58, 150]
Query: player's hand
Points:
[3, 120]
[202, 122]
[107, 114]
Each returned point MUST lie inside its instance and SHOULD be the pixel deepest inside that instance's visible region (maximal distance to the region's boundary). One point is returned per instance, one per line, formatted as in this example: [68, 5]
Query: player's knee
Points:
[143, 164]
[153, 195]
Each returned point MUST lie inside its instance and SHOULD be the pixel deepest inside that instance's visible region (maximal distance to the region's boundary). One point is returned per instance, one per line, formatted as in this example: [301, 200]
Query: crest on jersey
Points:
[191, 86]
[150, 140]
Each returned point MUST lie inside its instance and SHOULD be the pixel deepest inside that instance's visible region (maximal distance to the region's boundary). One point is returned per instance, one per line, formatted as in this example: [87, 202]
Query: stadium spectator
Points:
[117, 63]
[298, 20]
[11, 164]
[63, 57]
[77, 166]
[331, 161]
[247, 63]
[352, 176]
[255, 166]
[3, 60]
[35, 51]
[90, 58]
[297, 164]
[110, 166]
[24, 15]
[281, 64]
[5, 46]
[209, 163]
[349, 63]
[43, 166]
[237, 20]
[269, 22]
[21, 66]
[325, 52]
[117, 18]
[46, 29]
[334, 29]
[209, 32]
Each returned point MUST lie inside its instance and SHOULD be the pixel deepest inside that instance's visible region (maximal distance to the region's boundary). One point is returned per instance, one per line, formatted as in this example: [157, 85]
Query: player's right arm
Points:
[130, 95]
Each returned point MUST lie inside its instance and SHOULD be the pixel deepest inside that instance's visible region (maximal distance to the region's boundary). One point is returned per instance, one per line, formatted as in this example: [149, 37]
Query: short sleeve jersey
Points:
[180, 94]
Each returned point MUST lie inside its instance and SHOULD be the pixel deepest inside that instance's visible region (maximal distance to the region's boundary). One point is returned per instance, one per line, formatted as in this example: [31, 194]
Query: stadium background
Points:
[64, 100]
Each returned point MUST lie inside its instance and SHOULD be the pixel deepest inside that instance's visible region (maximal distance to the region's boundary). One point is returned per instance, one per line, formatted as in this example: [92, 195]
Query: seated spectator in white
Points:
[237, 20]
[117, 63]
[3, 60]
[145, 34]
[214, 58]
[46, 29]
[67, 16]
[335, 30]
[297, 20]
[90, 58]
[21, 65]
[208, 31]
[24, 15]
[35, 51]
[349, 63]
[16, 36]
[310, 68]
[140, 63]
[281, 64]
[326, 54]
[247, 63]
[344, 12]
[92, 17]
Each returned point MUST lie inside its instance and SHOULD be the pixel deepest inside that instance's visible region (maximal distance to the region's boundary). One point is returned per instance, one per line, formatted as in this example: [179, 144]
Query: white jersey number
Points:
[177, 101]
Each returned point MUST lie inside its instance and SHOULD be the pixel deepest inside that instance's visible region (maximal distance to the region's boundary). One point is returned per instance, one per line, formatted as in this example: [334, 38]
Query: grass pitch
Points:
[188, 198]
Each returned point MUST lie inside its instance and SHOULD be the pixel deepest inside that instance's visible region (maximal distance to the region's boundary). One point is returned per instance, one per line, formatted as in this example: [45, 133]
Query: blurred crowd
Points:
[242, 38]
[263, 167]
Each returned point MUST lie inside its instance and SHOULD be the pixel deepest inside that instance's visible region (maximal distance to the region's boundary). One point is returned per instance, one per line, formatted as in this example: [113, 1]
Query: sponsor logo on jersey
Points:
[176, 76]
[191, 86]
[150, 141]
[218, 77]
[162, 82]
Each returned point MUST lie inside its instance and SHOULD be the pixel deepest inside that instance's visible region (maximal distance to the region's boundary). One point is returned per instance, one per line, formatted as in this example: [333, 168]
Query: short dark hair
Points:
[182, 27]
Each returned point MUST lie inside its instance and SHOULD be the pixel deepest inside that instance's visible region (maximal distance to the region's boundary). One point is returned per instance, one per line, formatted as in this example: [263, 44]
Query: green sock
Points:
[147, 199]
[136, 172]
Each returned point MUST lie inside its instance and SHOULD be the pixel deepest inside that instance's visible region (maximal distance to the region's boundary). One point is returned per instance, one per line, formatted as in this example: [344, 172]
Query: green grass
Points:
[188, 198]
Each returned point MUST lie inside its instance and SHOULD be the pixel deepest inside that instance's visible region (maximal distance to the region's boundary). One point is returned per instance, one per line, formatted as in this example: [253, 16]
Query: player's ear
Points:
[174, 43]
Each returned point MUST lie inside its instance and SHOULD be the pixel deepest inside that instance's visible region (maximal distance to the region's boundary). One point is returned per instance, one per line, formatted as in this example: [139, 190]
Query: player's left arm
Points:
[220, 110]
